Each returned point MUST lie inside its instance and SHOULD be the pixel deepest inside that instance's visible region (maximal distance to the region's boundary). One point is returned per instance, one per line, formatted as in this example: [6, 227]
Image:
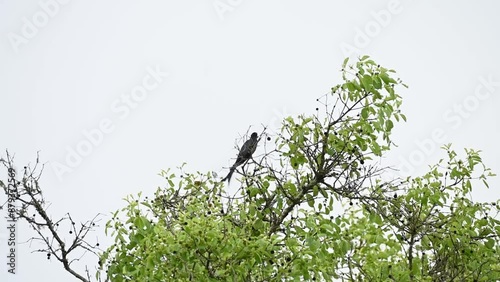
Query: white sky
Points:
[66, 66]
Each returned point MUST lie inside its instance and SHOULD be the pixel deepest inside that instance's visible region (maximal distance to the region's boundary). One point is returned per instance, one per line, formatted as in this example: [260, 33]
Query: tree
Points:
[285, 222]
[26, 203]
[313, 206]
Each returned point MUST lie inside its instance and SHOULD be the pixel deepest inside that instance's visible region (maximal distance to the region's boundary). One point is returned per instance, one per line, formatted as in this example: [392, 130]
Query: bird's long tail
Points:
[228, 176]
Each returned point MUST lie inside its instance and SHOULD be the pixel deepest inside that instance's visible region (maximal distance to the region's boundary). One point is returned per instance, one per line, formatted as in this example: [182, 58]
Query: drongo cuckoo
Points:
[244, 155]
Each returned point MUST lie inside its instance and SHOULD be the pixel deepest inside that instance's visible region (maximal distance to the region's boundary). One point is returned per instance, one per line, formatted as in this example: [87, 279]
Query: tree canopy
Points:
[312, 205]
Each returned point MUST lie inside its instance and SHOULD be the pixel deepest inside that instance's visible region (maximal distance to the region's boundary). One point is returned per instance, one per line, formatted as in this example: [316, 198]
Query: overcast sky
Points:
[111, 92]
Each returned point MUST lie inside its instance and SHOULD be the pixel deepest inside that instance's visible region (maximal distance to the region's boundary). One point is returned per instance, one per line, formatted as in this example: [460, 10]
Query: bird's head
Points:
[254, 135]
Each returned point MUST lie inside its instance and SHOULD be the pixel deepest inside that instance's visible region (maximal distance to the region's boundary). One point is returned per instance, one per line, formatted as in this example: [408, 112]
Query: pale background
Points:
[232, 64]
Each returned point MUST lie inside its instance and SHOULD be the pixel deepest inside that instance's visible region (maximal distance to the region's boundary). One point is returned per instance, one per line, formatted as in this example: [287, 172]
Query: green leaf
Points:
[365, 112]
[482, 222]
[389, 125]
[367, 82]
[350, 86]
[344, 246]
[345, 62]
[376, 149]
[313, 244]
[377, 83]
[310, 200]
[490, 243]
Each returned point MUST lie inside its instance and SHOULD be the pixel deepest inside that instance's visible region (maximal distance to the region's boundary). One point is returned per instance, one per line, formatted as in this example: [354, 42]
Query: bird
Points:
[244, 155]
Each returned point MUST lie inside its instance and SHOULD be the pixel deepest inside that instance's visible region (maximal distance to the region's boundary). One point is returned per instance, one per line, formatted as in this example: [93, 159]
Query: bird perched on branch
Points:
[244, 155]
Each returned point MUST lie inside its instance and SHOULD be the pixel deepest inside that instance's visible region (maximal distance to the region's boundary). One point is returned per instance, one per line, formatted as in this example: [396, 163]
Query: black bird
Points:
[244, 155]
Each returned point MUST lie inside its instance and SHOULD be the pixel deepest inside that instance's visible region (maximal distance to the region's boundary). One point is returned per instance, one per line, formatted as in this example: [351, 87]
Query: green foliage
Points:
[313, 206]
[432, 231]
